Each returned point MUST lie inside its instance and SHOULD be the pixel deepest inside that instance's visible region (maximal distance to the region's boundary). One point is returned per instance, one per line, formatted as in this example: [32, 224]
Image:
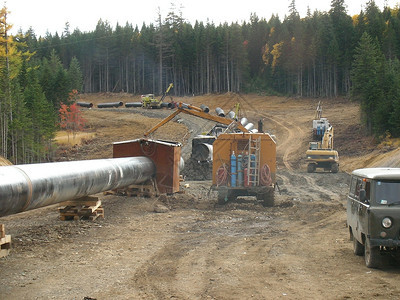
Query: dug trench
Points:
[194, 248]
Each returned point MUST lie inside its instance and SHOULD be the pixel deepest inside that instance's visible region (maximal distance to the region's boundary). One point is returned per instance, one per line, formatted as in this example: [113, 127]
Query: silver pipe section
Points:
[203, 152]
[220, 112]
[204, 108]
[185, 105]
[133, 104]
[244, 121]
[231, 115]
[249, 126]
[25, 187]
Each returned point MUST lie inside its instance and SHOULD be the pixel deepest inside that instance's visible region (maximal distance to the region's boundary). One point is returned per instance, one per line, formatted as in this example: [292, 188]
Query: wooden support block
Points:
[84, 201]
[5, 242]
[2, 231]
[87, 209]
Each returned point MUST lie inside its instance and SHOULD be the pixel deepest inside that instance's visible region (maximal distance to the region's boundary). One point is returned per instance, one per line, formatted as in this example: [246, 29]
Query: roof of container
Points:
[378, 173]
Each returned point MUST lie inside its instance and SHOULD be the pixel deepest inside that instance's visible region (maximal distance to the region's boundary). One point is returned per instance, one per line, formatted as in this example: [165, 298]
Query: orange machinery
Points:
[244, 164]
[165, 155]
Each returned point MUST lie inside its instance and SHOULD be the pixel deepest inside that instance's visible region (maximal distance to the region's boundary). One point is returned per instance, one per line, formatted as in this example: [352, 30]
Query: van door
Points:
[357, 211]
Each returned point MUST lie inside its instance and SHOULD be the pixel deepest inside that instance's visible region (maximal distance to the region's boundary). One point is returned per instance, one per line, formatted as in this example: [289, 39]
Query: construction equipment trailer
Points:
[244, 164]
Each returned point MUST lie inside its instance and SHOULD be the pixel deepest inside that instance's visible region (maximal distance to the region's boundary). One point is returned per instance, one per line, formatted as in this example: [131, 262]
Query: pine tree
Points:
[43, 118]
[366, 75]
[74, 75]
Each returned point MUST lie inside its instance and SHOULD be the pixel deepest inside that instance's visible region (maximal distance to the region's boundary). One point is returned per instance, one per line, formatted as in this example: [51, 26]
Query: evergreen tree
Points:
[43, 118]
[74, 75]
[366, 75]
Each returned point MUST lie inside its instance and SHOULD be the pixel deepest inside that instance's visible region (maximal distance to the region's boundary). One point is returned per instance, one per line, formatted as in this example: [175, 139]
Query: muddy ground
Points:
[195, 248]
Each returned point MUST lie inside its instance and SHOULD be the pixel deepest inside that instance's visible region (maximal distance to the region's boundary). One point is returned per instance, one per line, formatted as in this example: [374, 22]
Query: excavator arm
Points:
[327, 140]
[197, 112]
[171, 85]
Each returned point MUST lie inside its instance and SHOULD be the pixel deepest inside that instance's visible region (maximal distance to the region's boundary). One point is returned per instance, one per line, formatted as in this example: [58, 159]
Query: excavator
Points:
[322, 155]
[148, 100]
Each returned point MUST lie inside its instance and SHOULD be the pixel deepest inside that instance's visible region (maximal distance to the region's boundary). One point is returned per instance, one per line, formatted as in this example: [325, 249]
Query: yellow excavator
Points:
[148, 100]
[322, 155]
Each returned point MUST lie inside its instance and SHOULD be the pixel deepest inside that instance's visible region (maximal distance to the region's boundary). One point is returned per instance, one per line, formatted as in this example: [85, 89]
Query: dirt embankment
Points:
[198, 249]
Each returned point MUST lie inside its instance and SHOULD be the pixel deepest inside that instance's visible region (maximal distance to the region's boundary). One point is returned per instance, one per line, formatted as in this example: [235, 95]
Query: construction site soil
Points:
[186, 246]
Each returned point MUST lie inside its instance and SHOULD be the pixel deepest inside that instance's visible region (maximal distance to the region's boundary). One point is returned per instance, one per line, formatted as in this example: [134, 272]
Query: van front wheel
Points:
[372, 255]
[358, 248]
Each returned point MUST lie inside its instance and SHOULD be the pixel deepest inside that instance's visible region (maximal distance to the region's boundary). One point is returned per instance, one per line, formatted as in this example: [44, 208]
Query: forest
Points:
[325, 54]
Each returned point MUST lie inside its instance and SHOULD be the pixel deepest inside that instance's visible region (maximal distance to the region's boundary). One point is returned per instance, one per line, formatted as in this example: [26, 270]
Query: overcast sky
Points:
[52, 15]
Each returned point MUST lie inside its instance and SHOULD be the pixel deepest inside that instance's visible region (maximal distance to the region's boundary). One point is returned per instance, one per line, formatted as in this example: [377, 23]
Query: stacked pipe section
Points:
[25, 187]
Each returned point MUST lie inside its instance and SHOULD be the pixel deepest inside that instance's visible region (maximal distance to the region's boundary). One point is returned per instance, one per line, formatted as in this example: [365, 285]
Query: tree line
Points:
[324, 54]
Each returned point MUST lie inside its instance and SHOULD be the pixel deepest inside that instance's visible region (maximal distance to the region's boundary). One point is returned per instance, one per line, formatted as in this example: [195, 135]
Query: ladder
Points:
[253, 169]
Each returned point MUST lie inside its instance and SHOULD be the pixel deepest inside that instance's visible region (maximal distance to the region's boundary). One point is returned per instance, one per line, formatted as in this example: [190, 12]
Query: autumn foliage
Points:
[71, 119]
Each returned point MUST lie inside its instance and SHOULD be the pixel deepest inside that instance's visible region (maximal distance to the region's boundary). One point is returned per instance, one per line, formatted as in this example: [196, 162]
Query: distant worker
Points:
[260, 126]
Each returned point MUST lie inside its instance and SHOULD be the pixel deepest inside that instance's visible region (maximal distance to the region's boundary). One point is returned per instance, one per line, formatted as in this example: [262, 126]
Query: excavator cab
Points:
[148, 100]
[322, 155]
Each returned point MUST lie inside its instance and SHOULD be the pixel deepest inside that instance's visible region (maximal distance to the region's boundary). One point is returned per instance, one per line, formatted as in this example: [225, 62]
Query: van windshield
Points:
[387, 192]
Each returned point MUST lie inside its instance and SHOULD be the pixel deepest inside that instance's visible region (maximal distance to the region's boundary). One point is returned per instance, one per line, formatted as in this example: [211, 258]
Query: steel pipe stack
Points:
[25, 187]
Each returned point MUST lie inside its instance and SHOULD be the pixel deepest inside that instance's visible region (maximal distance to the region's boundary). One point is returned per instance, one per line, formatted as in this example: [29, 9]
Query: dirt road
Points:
[198, 249]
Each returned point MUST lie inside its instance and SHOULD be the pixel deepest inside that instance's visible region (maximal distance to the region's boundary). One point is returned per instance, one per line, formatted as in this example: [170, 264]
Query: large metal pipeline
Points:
[133, 104]
[25, 187]
[85, 104]
[111, 104]
[203, 152]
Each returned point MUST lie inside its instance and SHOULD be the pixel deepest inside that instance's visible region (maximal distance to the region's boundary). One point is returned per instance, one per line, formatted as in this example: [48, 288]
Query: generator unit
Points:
[244, 164]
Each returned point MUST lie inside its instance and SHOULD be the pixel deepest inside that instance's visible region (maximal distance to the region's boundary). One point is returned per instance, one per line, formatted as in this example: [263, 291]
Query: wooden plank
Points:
[84, 201]
[2, 231]
[85, 213]
[91, 208]
[5, 240]
[5, 245]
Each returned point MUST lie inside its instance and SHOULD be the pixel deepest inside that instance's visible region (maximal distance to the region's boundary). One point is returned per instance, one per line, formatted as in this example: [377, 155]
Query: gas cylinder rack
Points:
[244, 164]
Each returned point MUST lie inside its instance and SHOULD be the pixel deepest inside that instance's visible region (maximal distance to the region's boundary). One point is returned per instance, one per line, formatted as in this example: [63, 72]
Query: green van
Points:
[373, 213]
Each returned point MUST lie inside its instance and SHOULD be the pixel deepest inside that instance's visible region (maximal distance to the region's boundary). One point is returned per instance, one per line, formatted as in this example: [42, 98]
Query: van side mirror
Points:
[363, 195]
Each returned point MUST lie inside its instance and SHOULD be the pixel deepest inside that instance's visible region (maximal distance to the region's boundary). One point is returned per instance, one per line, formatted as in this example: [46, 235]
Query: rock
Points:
[159, 208]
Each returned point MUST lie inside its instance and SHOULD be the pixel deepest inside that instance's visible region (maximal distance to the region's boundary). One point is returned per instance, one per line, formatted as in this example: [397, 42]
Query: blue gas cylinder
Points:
[233, 169]
[240, 170]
